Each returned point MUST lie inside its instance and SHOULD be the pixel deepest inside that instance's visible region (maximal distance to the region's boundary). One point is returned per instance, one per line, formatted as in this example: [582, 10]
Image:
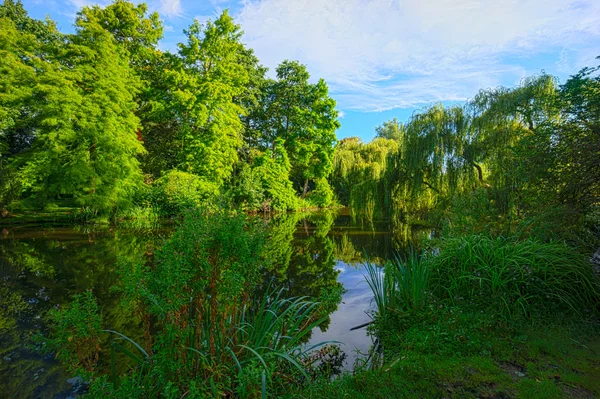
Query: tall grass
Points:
[400, 285]
[409, 279]
[513, 275]
[261, 348]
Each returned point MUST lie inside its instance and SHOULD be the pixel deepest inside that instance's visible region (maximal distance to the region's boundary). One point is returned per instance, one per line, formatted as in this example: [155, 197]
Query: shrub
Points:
[76, 333]
[206, 336]
[177, 191]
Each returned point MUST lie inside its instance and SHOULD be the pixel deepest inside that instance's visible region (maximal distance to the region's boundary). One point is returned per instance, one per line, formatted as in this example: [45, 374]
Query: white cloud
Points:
[341, 114]
[382, 54]
[170, 8]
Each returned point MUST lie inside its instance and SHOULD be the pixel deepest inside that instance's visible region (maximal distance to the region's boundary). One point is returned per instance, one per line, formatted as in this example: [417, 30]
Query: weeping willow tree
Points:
[442, 153]
[358, 171]
[512, 135]
[436, 160]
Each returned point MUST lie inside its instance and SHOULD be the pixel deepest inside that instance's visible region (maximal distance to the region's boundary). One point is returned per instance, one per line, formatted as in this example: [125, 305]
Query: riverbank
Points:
[469, 357]
[481, 318]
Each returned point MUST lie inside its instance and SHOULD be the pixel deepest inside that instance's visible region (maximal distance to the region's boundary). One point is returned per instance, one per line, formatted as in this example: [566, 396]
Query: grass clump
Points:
[514, 275]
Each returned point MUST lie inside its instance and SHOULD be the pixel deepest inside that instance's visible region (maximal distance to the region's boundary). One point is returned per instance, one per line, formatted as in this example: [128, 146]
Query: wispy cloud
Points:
[170, 8]
[383, 54]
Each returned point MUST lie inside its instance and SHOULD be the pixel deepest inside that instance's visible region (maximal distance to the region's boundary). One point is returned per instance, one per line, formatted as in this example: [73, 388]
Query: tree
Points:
[44, 31]
[392, 129]
[304, 117]
[207, 82]
[577, 140]
[137, 32]
[18, 105]
[85, 144]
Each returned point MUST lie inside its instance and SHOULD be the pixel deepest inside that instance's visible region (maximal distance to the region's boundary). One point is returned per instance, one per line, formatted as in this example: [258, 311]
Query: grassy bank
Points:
[481, 317]
[465, 355]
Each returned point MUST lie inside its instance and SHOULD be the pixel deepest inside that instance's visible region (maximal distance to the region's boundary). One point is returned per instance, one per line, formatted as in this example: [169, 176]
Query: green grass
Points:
[526, 361]
[514, 276]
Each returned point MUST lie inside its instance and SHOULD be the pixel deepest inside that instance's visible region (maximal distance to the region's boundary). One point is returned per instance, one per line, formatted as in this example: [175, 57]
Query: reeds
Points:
[400, 285]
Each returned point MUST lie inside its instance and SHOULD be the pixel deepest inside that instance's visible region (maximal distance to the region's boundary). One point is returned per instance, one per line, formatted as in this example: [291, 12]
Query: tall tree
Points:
[577, 140]
[137, 32]
[207, 83]
[85, 143]
[304, 117]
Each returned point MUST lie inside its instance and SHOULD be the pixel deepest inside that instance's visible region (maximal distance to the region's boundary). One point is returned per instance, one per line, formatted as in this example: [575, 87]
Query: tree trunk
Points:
[479, 172]
[305, 188]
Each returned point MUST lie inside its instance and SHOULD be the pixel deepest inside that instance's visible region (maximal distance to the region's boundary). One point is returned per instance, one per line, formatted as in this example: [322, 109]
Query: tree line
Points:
[103, 119]
[522, 156]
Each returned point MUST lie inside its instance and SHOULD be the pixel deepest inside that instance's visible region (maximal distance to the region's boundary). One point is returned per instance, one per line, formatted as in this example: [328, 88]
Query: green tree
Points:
[392, 129]
[207, 82]
[44, 31]
[577, 140]
[304, 117]
[138, 32]
[85, 145]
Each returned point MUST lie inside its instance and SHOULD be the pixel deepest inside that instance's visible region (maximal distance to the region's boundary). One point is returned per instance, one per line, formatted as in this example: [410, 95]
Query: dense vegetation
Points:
[525, 158]
[104, 122]
[503, 302]
[206, 330]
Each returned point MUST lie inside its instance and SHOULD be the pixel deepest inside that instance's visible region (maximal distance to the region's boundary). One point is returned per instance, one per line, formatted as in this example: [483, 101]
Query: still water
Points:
[43, 267]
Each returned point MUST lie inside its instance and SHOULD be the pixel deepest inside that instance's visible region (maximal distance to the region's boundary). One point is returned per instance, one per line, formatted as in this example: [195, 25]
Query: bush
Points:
[76, 333]
[178, 191]
[206, 336]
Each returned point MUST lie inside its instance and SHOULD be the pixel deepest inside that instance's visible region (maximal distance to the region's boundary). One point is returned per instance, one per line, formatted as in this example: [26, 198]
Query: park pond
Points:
[43, 267]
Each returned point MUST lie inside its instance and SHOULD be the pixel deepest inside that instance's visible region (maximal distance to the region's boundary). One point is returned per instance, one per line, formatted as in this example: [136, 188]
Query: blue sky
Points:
[386, 58]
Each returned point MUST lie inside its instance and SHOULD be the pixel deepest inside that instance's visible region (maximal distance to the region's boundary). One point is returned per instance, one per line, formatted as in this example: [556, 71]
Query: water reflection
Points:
[41, 268]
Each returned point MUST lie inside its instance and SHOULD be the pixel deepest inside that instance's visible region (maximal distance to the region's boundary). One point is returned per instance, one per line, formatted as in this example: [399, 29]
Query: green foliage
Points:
[129, 25]
[84, 145]
[358, 171]
[202, 322]
[409, 279]
[206, 82]
[510, 152]
[322, 196]
[400, 285]
[273, 172]
[82, 114]
[514, 276]
[76, 333]
[178, 191]
[301, 118]
[393, 130]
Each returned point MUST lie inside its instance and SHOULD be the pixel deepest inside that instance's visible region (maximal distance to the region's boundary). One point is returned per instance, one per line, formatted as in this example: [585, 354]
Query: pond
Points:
[43, 267]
